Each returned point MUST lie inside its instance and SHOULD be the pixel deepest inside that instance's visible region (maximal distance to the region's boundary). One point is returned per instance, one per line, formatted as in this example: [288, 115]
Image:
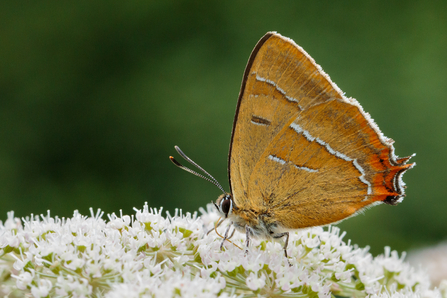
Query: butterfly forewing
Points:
[270, 97]
[280, 81]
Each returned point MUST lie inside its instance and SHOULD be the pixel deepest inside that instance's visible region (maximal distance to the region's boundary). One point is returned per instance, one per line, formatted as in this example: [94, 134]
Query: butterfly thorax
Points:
[260, 221]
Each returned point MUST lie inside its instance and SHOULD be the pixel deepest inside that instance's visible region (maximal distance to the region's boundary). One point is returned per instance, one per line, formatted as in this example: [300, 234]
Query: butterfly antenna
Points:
[209, 178]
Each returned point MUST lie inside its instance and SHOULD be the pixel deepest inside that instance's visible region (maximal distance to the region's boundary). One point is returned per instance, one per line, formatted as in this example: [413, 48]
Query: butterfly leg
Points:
[232, 234]
[247, 235]
[226, 236]
[286, 243]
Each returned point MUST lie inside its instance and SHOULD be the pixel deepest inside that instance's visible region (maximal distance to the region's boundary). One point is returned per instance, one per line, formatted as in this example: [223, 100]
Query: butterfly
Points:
[301, 153]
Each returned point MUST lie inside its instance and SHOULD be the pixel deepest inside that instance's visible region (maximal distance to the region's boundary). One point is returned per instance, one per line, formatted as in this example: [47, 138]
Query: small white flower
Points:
[206, 272]
[254, 282]
[118, 223]
[12, 223]
[310, 239]
[42, 289]
[23, 280]
[72, 286]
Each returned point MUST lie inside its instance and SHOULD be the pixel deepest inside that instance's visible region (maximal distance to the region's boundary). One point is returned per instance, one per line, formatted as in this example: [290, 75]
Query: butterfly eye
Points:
[226, 205]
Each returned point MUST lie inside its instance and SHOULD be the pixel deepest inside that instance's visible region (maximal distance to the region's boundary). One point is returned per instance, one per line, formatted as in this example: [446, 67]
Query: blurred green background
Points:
[95, 94]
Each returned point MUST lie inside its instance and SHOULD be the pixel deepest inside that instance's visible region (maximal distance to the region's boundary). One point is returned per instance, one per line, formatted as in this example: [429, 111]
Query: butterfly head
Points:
[224, 204]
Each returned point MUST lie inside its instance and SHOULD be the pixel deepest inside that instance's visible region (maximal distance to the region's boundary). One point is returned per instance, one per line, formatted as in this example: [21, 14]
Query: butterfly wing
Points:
[298, 143]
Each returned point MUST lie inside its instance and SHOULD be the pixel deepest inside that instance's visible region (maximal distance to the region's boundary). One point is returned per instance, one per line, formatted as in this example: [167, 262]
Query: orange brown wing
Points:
[297, 142]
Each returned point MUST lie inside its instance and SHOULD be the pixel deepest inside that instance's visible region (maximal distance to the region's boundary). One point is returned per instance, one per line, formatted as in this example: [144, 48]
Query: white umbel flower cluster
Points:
[149, 255]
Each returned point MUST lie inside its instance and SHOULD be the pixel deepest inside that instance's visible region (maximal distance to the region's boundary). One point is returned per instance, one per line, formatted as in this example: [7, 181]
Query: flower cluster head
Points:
[151, 255]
